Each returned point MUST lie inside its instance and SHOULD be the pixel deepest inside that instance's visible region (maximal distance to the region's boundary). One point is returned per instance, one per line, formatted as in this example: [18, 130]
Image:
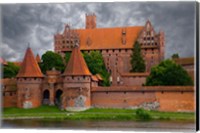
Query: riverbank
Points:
[52, 112]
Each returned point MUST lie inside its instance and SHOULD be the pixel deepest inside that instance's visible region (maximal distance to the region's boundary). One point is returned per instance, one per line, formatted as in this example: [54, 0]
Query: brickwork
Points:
[175, 99]
[115, 44]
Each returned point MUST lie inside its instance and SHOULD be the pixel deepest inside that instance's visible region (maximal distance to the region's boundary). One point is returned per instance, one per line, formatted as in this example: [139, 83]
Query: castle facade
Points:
[115, 45]
[77, 89]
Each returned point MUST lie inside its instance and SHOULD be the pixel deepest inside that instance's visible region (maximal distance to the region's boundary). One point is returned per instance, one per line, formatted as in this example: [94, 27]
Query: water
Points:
[101, 125]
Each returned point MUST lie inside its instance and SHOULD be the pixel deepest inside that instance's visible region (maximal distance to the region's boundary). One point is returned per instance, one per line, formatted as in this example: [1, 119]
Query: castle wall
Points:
[176, 101]
[133, 80]
[126, 99]
[162, 98]
[29, 93]
[9, 99]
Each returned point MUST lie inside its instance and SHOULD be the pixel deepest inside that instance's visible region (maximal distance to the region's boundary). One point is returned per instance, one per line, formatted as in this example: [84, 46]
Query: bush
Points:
[141, 114]
[168, 73]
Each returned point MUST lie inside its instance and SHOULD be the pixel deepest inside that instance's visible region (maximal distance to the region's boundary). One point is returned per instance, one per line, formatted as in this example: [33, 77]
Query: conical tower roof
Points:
[76, 65]
[29, 66]
[38, 58]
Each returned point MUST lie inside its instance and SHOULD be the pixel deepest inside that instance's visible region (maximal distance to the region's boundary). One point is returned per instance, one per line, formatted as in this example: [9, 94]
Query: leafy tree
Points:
[96, 65]
[175, 56]
[50, 60]
[10, 70]
[168, 73]
[137, 61]
[67, 56]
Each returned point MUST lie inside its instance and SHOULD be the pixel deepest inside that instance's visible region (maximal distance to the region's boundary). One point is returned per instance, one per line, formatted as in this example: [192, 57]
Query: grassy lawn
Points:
[95, 114]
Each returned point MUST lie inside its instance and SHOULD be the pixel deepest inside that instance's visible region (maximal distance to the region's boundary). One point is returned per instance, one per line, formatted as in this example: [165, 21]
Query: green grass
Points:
[47, 112]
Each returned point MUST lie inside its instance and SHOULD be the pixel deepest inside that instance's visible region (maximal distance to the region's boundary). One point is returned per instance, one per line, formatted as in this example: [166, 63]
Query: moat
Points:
[101, 125]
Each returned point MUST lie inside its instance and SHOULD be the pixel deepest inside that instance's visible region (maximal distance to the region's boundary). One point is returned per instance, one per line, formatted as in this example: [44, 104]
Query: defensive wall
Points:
[162, 98]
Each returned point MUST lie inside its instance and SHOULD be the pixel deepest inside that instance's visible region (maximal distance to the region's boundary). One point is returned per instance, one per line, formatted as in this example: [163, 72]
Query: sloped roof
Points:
[76, 65]
[185, 61]
[108, 38]
[3, 62]
[94, 78]
[38, 58]
[29, 66]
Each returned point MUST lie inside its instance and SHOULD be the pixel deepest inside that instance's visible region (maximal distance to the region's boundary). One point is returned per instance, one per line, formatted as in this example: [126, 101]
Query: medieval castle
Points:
[77, 89]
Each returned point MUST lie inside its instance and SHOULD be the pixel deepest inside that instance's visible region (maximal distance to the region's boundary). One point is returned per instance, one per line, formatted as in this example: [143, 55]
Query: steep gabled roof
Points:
[29, 66]
[108, 38]
[76, 65]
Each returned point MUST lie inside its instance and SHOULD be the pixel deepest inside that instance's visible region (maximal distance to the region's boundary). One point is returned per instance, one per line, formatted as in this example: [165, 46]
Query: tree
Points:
[10, 70]
[137, 61]
[175, 56]
[96, 65]
[67, 56]
[51, 60]
[168, 73]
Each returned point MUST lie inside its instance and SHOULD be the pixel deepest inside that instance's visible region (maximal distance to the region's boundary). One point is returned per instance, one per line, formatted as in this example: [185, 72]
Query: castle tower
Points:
[90, 21]
[77, 83]
[29, 80]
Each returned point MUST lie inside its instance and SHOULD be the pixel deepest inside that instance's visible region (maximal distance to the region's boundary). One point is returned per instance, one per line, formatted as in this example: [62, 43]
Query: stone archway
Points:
[58, 97]
[45, 99]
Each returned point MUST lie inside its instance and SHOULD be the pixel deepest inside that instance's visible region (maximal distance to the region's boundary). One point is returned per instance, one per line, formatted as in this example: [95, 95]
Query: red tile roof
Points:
[99, 77]
[38, 58]
[108, 38]
[3, 62]
[29, 66]
[135, 74]
[76, 65]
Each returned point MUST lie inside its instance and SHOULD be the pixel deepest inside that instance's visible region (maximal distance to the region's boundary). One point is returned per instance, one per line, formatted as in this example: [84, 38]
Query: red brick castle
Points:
[77, 89]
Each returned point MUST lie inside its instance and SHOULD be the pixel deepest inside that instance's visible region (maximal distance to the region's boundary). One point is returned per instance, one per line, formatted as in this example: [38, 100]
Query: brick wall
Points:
[169, 98]
[9, 99]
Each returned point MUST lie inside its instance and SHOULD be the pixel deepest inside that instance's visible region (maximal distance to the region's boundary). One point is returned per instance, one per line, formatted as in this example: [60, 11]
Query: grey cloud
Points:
[37, 23]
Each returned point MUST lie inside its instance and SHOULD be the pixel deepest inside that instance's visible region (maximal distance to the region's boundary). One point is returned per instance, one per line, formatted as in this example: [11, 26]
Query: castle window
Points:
[4, 94]
[156, 44]
[152, 38]
[63, 41]
[10, 93]
[144, 38]
[120, 50]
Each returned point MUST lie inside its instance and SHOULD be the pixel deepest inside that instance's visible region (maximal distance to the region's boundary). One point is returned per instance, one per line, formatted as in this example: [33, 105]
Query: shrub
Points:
[141, 114]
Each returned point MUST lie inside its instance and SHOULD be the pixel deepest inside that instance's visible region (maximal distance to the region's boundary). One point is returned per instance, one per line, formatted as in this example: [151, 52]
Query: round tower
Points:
[29, 80]
[76, 83]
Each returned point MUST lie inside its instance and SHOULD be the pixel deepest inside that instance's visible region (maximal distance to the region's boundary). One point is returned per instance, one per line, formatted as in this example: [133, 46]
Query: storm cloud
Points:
[37, 23]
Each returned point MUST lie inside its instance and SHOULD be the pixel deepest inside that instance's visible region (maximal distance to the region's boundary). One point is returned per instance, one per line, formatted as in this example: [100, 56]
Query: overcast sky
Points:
[37, 23]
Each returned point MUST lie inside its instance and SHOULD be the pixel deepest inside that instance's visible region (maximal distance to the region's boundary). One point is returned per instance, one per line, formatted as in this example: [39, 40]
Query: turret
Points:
[90, 21]
[29, 80]
[76, 83]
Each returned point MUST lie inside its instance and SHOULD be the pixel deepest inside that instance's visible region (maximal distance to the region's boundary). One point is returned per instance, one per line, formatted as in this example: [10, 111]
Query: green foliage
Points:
[67, 56]
[168, 73]
[10, 70]
[96, 65]
[51, 60]
[175, 56]
[137, 61]
[143, 115]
